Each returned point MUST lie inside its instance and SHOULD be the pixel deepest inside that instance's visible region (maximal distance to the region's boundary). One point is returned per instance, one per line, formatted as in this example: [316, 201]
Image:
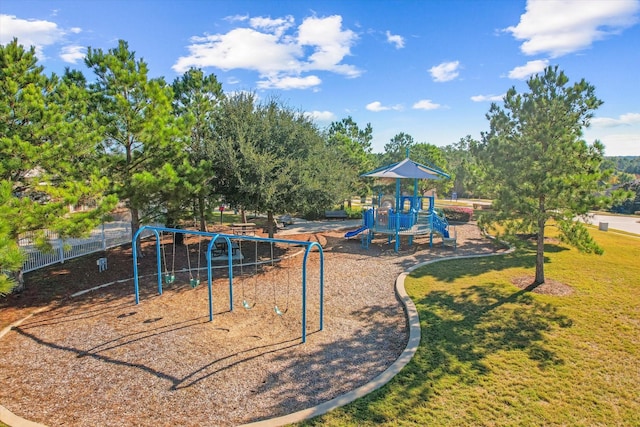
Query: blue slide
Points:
[355, 232]
[440, 225]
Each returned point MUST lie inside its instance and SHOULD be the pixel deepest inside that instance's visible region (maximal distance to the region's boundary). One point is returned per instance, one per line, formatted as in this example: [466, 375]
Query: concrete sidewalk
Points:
[301, 226]
[630, 224]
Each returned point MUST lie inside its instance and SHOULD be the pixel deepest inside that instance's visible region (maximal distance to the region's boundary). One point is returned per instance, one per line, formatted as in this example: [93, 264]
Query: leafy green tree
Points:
[432, 156]
[48, 135]
[142, 143]
[461, 163]
[353, 145]
[628, 164]
[273, 159]
[396, 149]
[318, 172]
[237, 134]
[539, 168]
[11, 258]
[427, 154]
[632, 204]
[197, 100]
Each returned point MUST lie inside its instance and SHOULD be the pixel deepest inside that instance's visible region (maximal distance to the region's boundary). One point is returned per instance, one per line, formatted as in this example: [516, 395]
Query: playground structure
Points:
[403, 215]
[220, 246]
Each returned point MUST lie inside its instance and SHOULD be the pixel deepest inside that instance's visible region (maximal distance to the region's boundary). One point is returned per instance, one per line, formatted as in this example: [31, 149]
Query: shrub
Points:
[354, 213]
[458, 213]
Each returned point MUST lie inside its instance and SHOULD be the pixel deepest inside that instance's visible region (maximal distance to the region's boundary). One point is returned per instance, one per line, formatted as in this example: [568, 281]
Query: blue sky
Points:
[427, 68]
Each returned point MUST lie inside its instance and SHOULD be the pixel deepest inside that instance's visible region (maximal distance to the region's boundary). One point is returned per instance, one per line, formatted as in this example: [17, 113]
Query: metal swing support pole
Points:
[304, 289]
[134, 248]
[215, 236]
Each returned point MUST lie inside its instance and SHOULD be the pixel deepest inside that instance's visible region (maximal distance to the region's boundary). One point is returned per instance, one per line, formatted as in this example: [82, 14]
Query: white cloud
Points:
[73, 54]
[559, 27]
[485, 98]
[236, 18]
[426, 104]
[275, 26]
[241, 48]
[330, 42]
[624, 120]
[377, 106]
[531, 67]
[395, 39]
[289, 82]
[37, 33]
[280, 52]
[445, 71]
[620, 136]
[621, 144]
[321, 116]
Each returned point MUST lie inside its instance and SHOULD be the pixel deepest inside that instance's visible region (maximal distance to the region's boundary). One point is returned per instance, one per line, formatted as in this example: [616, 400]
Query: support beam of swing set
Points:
[227, 238]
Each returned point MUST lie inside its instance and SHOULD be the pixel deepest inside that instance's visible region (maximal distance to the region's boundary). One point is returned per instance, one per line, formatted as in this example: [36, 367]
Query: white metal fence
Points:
[109, 235]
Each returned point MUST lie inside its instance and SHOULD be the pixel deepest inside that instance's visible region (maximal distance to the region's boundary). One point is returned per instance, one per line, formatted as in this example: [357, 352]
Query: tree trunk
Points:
[19, 279]
[135, 226]
[243, 216]
[203, 220]
[540, 246]
[270, 224]
[135, 221]
[178, 238]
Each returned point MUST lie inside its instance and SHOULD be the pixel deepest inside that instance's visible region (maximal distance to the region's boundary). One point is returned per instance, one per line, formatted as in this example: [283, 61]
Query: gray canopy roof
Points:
[407, 169]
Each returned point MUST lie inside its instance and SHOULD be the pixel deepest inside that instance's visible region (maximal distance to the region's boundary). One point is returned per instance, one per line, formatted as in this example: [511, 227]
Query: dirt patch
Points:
[549, 287]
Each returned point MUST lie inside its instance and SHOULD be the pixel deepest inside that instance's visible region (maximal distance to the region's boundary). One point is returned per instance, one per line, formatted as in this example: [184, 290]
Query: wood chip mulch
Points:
[99, 359]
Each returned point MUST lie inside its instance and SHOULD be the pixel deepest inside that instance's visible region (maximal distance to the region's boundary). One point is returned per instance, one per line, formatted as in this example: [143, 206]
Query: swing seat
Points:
[246, 304]
[194, 282]
[169, 278]
[277, 310]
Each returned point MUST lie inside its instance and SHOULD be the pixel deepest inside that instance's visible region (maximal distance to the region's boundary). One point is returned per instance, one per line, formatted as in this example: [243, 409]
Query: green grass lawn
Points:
[494, 355]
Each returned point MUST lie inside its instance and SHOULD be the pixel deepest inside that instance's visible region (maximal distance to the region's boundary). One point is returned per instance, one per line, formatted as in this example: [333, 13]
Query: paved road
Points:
[630, 224]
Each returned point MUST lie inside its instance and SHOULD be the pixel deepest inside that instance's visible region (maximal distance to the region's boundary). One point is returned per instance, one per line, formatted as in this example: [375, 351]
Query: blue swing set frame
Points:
[227, 239]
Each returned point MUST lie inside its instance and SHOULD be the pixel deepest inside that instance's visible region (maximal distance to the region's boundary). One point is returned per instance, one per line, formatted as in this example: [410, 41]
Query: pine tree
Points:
[536, 164]
[196, 101]
[353, 146]
[48, 137]
[142, 141]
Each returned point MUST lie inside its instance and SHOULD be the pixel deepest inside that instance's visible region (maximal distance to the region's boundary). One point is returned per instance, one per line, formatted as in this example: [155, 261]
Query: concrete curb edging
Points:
[413, 322]
[11, 419]
[19, 322]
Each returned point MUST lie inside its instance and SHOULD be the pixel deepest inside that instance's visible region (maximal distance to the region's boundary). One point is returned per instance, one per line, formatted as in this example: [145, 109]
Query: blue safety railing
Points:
[440, 224]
